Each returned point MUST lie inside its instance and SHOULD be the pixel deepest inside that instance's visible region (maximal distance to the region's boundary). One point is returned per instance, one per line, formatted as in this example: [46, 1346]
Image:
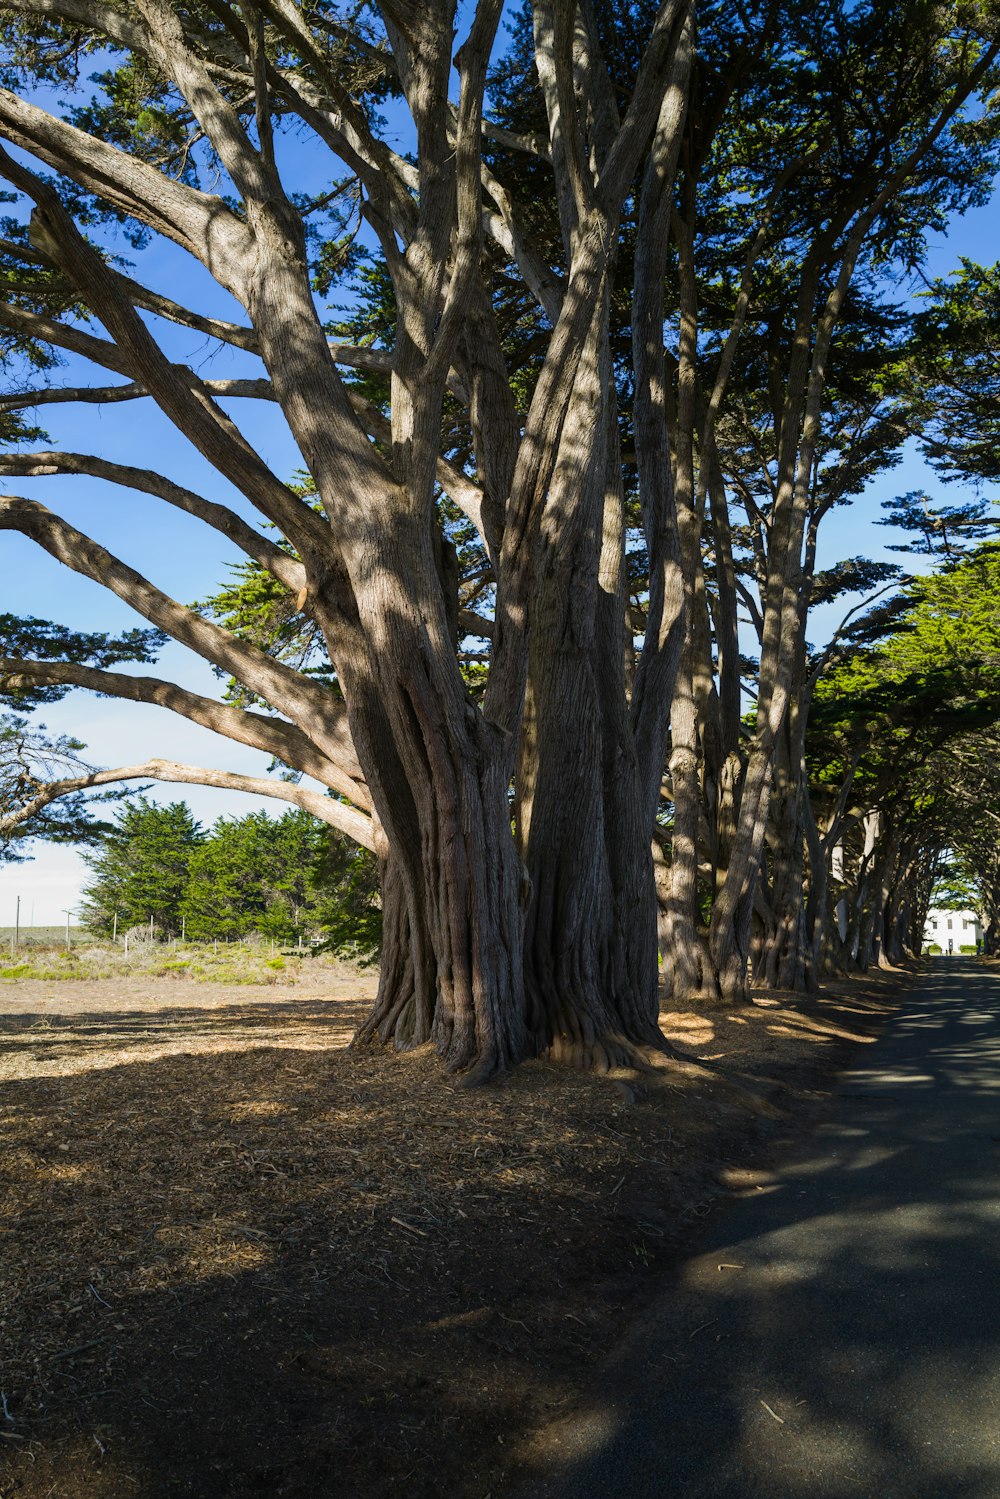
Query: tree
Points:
[283, 878]
[841, 145]
[515, 379]
[425, 767]
[141, 869]
[950, 372]
[32, 762]
[901, 751]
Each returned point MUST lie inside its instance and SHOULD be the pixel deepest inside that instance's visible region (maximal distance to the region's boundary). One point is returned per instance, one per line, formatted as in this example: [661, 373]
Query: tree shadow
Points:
[39, 1043]
[292, 1272]
[836, 1332]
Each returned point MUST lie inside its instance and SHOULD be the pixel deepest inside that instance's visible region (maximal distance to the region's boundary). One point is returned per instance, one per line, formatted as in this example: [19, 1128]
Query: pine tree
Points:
[141, 871]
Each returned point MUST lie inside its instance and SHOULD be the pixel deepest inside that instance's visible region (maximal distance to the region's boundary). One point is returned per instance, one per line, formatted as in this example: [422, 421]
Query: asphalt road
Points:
[838, 1332]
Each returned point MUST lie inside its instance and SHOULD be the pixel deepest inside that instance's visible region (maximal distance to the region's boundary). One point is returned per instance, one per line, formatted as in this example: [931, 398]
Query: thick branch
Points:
[309, 705]
[200, 222]
[466, 495]
[277, 562]
[182, 399]
[345, 819]
[273, 736]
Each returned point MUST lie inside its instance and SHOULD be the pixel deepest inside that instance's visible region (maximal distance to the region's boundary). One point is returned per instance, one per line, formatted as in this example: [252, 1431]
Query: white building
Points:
[952, 930]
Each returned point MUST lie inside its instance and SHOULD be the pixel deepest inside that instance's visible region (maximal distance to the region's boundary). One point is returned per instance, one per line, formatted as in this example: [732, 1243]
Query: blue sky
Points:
[188, 559]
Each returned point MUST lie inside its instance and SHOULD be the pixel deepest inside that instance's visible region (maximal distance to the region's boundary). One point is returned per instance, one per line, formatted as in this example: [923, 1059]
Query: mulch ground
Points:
[237, 1259]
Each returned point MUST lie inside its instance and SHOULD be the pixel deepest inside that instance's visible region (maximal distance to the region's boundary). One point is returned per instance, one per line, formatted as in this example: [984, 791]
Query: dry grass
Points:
[227, 963]
[238, 1259]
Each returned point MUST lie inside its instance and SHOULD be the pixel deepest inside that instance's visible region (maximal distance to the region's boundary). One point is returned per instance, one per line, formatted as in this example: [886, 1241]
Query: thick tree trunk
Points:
[452, 948]
[590, 934]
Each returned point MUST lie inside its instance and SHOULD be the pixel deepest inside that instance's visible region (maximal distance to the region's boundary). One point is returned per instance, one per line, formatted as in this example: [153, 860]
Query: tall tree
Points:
[572, 433]
[141, 868]
[197, 94]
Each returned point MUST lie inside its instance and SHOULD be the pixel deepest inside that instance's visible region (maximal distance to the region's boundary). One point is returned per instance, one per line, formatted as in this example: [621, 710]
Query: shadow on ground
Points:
[837, 1332]
[247, 1269]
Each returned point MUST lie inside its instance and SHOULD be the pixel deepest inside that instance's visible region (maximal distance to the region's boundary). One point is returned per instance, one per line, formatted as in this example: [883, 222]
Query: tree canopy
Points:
[580, 333]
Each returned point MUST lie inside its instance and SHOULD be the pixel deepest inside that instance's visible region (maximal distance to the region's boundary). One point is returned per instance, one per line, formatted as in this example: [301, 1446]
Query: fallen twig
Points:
[80, 1348]
[412, 1229]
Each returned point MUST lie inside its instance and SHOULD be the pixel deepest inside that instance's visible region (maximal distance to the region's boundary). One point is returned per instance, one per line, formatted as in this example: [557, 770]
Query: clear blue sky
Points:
[189, 560]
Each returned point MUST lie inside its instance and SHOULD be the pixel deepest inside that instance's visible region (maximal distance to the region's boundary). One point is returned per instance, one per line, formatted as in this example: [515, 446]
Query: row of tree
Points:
[626, 320]
[282, 878]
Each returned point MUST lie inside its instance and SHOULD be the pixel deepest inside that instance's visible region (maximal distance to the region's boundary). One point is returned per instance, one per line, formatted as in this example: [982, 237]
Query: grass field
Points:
[42, 953]
[43, 936]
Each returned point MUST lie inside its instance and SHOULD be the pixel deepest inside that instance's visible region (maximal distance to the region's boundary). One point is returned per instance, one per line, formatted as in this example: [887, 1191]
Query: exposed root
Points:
[609, 1052]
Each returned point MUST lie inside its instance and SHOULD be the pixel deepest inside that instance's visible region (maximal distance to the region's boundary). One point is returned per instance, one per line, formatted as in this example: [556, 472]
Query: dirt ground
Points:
[237, 1259]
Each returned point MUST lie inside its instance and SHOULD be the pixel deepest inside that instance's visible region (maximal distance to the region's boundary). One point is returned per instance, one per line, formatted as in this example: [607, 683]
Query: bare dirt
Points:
[238, 1259]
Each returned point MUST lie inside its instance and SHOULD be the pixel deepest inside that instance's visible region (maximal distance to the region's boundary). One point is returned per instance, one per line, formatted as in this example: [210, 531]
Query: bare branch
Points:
[336, 814]
[336, 766]
[201, 223]
[100, 395]
[286, 690]
[182, 399]
[277, 562]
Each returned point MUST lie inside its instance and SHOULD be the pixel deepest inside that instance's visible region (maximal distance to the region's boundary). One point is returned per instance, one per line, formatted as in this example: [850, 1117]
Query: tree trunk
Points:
[686, 975]
[590, 933]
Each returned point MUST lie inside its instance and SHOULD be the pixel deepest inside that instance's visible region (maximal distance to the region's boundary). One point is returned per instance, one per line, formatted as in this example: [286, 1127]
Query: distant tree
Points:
[348, 908]
[901, 749]
[252, 874]
[952, 372]
[142, 868]
[282, 877]
[956, 889]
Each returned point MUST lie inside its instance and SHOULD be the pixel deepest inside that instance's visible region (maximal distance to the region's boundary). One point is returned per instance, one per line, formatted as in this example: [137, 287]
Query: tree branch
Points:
[178, 395]
[286, 690]
[345, 819]
[200, 222]
[286, 569]
[337, 768]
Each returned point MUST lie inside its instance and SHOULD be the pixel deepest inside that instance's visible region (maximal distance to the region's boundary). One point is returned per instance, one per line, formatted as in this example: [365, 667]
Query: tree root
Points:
[609, 1053]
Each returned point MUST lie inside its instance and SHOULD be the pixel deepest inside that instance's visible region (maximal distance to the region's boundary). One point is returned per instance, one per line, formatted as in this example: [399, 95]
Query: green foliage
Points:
[142, 868]
[941, 531]
[956, 889]
[42, 640]
[952, 372]
[346, 893]
[254, 873]
[281, 878]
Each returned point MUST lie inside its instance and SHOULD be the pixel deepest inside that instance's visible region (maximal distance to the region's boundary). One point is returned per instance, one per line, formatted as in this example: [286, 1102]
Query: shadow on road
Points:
[837, 1332]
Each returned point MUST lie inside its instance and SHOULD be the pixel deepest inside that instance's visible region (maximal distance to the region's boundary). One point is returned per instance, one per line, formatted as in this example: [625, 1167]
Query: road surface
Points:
[835, 1334]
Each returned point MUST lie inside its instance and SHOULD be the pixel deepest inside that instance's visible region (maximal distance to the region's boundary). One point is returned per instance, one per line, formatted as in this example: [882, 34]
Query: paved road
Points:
[855, 1351]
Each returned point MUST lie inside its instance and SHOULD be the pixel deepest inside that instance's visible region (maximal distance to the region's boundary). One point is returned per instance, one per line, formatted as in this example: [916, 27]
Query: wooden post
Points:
[17, 923]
